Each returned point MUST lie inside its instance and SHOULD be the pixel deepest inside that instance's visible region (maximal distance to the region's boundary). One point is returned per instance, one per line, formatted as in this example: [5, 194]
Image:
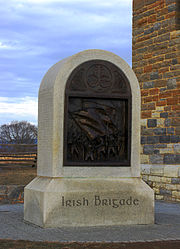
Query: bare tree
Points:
[17, 132]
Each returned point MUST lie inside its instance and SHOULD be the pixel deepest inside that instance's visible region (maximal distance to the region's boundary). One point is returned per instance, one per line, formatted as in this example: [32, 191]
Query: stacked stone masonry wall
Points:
[156, 62]
[164, 180]
[11, 194]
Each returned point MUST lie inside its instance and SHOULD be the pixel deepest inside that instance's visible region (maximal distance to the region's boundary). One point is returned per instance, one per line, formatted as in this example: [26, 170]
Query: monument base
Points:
[58, 202]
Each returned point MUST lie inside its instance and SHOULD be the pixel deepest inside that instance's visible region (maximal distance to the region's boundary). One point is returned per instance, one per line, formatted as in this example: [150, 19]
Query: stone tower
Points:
[156, 62]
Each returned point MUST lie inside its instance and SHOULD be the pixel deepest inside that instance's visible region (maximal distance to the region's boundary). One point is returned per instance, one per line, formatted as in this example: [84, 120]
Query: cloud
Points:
[35, 34]
[17, 85]
[18, 108]
[4, 46]
[94, 2]
[35, 28]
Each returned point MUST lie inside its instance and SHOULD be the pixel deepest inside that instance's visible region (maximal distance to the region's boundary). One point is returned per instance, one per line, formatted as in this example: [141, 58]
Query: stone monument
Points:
[88, 171]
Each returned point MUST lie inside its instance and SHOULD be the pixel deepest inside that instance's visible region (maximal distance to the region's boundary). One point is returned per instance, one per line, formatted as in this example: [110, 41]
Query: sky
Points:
[35, 34]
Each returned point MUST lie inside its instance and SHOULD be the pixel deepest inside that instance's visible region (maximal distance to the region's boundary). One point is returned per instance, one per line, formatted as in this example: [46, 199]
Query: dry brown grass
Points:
[16, 175]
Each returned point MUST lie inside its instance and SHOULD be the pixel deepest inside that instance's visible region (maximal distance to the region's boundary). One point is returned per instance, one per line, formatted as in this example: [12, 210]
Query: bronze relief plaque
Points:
[97, 123]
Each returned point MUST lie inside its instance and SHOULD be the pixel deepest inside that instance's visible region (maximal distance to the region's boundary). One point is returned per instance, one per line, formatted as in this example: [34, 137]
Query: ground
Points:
[16, 175]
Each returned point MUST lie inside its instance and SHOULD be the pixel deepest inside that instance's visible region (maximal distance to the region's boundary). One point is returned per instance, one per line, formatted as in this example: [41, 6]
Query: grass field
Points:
[16, 175]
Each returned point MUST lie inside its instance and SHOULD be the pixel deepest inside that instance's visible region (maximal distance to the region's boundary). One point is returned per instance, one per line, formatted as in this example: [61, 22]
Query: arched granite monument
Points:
[88, 171]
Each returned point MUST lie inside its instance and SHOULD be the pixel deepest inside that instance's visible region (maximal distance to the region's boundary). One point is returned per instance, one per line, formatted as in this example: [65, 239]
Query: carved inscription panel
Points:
[97, 116]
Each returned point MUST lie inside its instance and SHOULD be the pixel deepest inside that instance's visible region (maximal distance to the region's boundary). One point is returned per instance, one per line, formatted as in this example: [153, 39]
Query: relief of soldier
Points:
[94, 134]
